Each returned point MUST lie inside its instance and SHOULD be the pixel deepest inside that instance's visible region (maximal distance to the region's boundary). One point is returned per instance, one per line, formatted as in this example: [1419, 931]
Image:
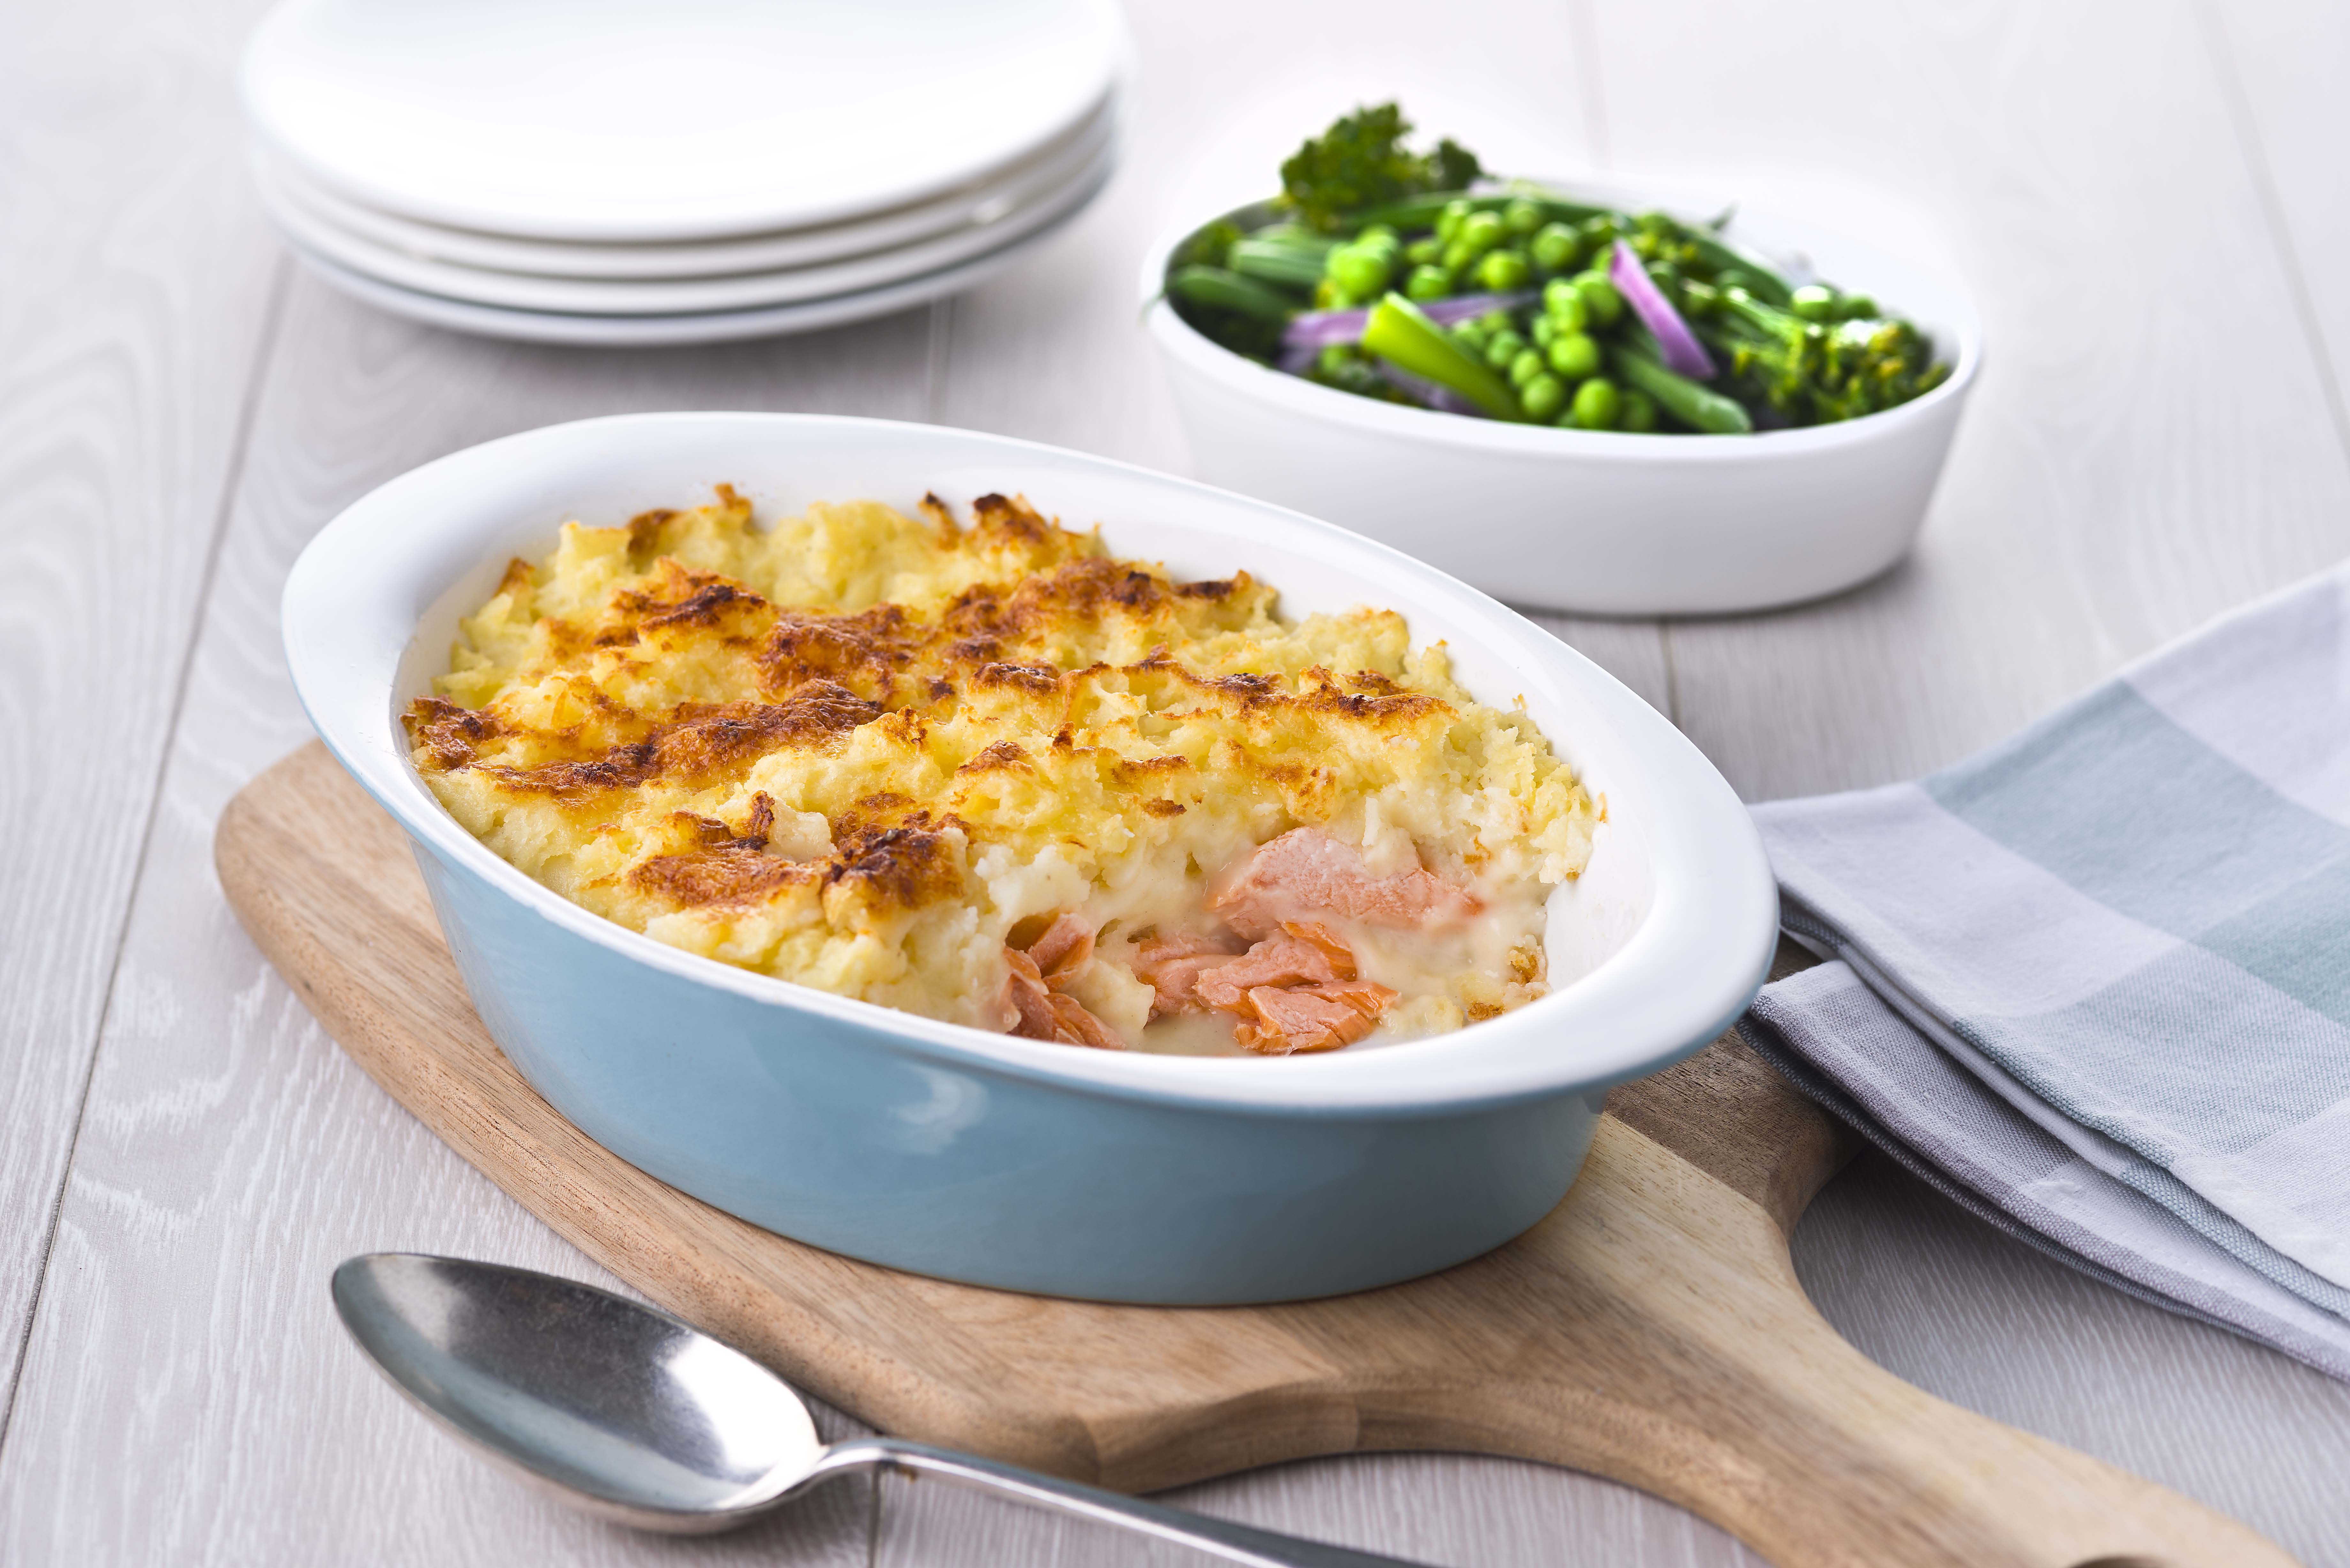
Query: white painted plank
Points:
[188, 1395]
[137, 284]
[2283, 63]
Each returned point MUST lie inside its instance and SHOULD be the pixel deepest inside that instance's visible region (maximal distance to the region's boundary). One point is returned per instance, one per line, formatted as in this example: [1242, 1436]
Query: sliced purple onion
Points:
[1318, 329]
[1427, 394]
[1676, 343]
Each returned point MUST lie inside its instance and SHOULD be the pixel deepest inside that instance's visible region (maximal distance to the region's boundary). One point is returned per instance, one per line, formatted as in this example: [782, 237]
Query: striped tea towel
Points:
[2097, 978]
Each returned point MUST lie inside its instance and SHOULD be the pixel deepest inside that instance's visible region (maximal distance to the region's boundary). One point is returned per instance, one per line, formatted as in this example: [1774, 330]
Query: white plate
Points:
[674, 297]
[652, 331]
[971, 206]
[669, 120]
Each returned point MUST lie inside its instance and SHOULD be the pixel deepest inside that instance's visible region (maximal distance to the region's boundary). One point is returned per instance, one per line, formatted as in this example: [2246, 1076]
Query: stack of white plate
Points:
[624, 172]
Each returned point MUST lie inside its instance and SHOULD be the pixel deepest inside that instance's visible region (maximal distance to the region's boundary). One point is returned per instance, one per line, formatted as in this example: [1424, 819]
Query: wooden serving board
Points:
[1650, 1329]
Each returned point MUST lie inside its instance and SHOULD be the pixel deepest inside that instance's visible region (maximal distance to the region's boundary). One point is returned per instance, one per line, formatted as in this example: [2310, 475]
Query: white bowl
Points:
[980, 1157]
[1596, 522]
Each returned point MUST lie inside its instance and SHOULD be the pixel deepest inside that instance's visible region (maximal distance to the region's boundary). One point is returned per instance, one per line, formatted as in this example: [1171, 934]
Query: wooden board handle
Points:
[1736, 1399]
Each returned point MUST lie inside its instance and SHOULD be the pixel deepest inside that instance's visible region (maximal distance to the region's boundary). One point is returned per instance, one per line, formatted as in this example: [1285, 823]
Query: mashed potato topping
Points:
[991, 774]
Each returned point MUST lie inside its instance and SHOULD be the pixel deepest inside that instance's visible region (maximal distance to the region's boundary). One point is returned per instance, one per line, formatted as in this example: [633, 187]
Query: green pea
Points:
[1543, 329]
[1574, 355]
[1556, 247]
[1458, 255]
[1522, 216]
[1421, 252]
[1473, 337]
[1598, 404]
[1639, 413]
[1448, 222]
[1482, 231]
[1503, 348]
[1525, 367]
[1503, 271]
[1428, 282]
[1360, 273]
[1379, 233]
[1496, 321]
[1599, 297]
[1600, 229]
[1563, 305]
[1543, 397]
[1813, 303]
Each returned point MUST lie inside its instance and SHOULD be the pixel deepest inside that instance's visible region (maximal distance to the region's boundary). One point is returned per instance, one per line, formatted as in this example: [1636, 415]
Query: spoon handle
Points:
[1233, 1543]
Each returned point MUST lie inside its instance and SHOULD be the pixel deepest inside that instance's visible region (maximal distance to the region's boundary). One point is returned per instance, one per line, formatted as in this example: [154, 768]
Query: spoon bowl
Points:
[631, 1414]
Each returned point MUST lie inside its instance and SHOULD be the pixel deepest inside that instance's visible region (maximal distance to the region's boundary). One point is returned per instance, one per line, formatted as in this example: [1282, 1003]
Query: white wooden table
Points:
[2148, 197]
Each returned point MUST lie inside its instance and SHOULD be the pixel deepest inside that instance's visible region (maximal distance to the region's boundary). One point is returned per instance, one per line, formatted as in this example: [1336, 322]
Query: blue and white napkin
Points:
[2095, 982]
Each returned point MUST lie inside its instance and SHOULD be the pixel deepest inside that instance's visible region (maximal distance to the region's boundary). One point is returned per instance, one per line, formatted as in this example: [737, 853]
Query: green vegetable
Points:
[1855, 305]
[1503, 348]
[1543, 397]
[1421, 252]
[1503, 271]
[1813, 303]
[1480, 231]
[1292, 263]
[1428, 282]
[1523, 217]
[1455, 214]
[1208, 246]
[1699, 408]
[1556, 247]
[1814, 372]
[1756, 276]
[1361, 271]
[1563, 303]
[1599, 297]
[1597, 405]
[1576, 355]
[1543, 329]
[1361, 162]
[1473, 337]
[1399, 332]
[1347, 368]
[1639, 415]
[1220, 290]
[1525, 367]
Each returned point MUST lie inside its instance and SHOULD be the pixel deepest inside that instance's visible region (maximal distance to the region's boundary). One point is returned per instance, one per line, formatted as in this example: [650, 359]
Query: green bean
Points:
[1813, 302]
[1275, 261]
[1701, 408]
[1401, 334]
[1761, 279]
[1214, 287]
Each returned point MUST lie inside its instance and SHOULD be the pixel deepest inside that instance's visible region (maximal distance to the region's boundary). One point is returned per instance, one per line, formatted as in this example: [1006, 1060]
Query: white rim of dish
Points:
[1331, 406]
[1712, 887]
[676, 297]
[982, 204]
[667, 331]
[717, 218]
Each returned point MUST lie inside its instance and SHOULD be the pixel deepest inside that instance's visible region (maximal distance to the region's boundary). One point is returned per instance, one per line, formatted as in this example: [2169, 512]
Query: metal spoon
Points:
[630, 1414]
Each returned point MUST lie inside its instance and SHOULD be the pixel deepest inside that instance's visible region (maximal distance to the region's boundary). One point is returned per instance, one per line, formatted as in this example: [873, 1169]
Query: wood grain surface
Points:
[1650, 1329]
[2150, 442]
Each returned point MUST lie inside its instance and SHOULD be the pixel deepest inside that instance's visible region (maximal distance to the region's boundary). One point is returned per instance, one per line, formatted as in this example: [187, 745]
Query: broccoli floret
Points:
[1361, 162]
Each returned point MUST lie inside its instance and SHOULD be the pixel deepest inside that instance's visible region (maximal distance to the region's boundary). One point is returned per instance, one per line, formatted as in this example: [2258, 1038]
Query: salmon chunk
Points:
[1034, 1005]
[1172, 967]
[1289, 1019]
[1285, 960]
[1306, 872]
